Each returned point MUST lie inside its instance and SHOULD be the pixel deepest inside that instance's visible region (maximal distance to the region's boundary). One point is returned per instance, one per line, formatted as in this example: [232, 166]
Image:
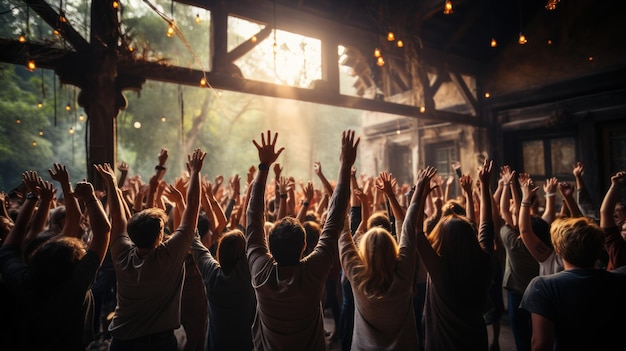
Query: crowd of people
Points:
[197, 265]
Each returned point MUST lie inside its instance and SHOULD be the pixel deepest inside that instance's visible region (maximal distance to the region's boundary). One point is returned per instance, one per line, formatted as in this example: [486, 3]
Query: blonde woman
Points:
[382, 278]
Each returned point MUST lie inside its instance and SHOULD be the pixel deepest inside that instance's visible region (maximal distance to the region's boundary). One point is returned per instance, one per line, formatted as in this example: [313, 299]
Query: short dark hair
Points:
[145, 227]
[286, 241]
[54, 260]
[230, 248]
[379, 219]
[203, 224]
[541, 229]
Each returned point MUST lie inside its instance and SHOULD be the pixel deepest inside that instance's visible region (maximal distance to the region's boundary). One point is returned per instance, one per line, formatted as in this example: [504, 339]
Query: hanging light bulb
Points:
[170, 29]
[163, 119]
[198, 20]
[18, 121]
[447, 8]
[22, 38]
[34, 143]
[380, 61]
[68, 107]
[494, 43]
[391, 36]
[203, 82]
[422, 109]
[31, 65]
[81, 117]
[41, 133]
[487, 95]
[72, 130]
[253, 39]
[56, 32]
[549, 41]
[522, 39]
[400, 43]
[116, 5]
[40, 104]
[377, 52]
[62, 18]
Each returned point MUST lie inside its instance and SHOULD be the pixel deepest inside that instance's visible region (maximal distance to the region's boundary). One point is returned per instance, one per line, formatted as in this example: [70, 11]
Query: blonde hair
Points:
[578, 241]
[378, 252]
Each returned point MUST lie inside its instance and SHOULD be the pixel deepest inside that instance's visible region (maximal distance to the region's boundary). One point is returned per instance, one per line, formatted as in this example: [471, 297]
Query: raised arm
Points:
[117, 211]
[487, 229]
[283, 187]
[45, 190]
[17, 234]
[308, 196]
[583, 198]
[466, 185]
[414, 223]
[317, 167]
[100, 226]
[72, 210]
[567, 192]
[386, 183]
[123, 168]
[537, 248]
[189, 219]
[505, 199]
[549, 188]
[613, 241]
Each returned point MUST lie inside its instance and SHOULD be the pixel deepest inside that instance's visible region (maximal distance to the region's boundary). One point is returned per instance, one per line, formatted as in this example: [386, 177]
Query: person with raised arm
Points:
[289, 289]
[52, 292]
[149, 270]
[613, 241]
[458, 261]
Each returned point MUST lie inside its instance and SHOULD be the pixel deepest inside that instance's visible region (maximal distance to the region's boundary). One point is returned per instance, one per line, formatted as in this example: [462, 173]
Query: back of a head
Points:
[203, 224]
[230, 248]
[57, 219]
[578, 241]
[286, 241]
[379, 219]
[145, 227]
[453, 235]
[313, 232]
[379, 252]
[54, 260]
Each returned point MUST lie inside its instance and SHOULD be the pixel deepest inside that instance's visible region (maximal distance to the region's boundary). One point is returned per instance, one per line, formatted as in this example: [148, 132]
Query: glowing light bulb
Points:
[40, 104]
[494, 43]
[116, 5]
[253, 39]
[170, 29]
[447, 7]
[137, 125]
[34, 143]
[68, 107]
[377, 52]
[422, 109]
[203, 82]
[549, 41]
[198, 20]
[56, 32]
[131, 49]
[40, 132]
[62, 18]
[81, 117]
[31, 65]
[391, 36]
[590, 58]
[398, 131]
[380, 62]
[18, 121]
[163, 119]
[22, 38]
[400, 43]
[72, 130]
[487, 95]
[522, 39]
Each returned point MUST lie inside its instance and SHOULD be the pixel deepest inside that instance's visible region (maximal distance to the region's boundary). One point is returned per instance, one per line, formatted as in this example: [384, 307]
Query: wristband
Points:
[159, 168]
[550, 194]
[305, 203]
[264, 167]
[525, 204]
[283, 196]
[31, 196]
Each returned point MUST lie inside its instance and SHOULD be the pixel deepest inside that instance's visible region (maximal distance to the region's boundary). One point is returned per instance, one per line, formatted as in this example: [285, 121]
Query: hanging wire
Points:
[181, 104]
[54, 87]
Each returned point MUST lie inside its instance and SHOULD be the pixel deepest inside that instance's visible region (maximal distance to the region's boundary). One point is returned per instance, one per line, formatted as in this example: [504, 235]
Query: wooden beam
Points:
[248, 45]
[154, 71]
[469, 98]
[51, 17]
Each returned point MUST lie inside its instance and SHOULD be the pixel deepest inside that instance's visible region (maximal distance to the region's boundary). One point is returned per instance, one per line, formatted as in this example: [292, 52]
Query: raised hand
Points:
[284, 185]
[317, 167]
[528, 187]
[507, 174]
[60, 174]
[218, 181]
[251, 172]
[619, 179]
[123, 167]
[106, 172]
[484, 172]
[235, 184]
[578, 169]
[348, 147]
[386, 183]
[162, 156]
[566, 189]
[84, 191]
[46, 191]
[173, 194]
[277, 170]
[267, 152]
[549, 187]
[422, 184]
[31, 181]
[308, 191]
[466, 183]
[195, 160]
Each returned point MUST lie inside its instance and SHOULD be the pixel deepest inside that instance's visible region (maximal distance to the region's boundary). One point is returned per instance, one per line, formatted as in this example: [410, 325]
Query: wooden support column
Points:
[219, 38]
[101, 98]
